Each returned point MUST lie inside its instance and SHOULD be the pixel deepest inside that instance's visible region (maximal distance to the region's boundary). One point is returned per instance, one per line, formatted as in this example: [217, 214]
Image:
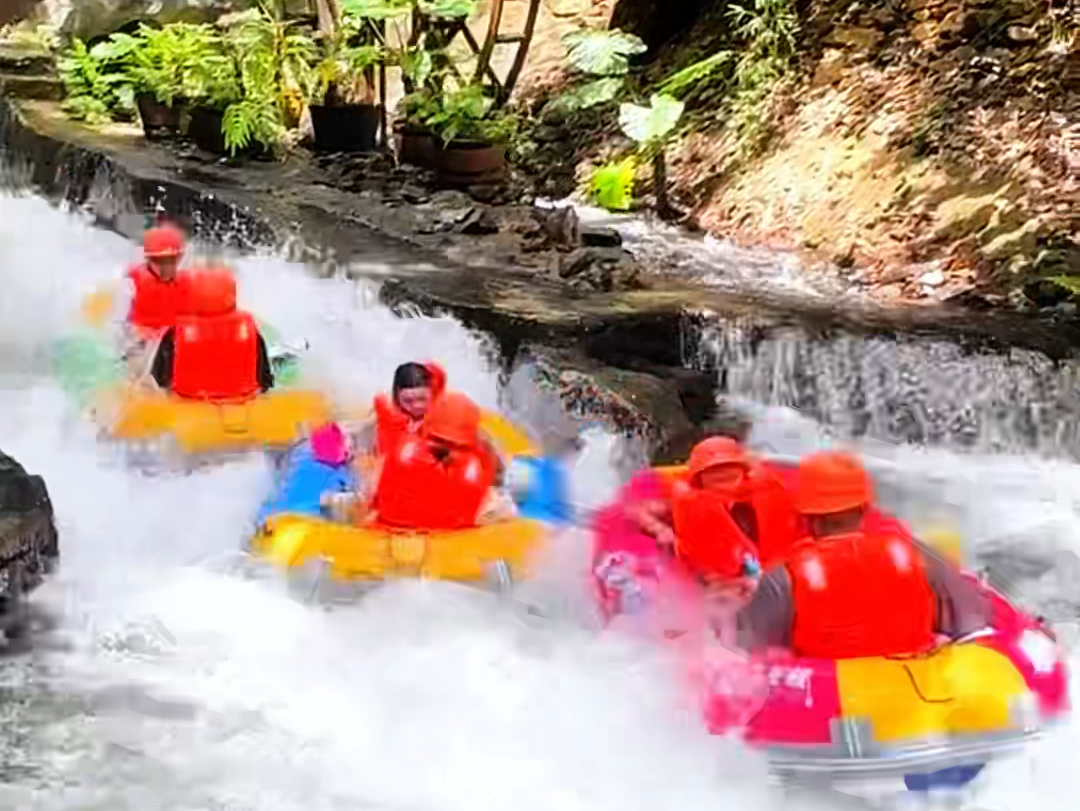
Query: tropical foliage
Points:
[258, 70]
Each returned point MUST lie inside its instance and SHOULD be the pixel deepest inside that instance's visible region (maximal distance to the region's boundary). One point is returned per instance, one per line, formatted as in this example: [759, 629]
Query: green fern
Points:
[96, 74]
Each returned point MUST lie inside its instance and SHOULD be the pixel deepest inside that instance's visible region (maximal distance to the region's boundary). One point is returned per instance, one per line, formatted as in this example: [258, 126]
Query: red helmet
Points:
[713, 452]
[166, 241]
[832, 482]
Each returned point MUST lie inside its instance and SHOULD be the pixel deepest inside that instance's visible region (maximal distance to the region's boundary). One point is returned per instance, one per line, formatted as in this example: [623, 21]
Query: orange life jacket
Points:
[860, 595]
[392, 424]
[417, 491]
[709, 540]
[155, 305]
[216, 357]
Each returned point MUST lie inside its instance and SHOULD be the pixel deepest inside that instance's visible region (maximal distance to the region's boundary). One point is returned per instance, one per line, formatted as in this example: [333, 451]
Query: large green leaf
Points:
[588, 95]
[602, 53]
[684, 79]
[377, 9]
[448, 9]
[652, 124]
[417, 65]
[612, 184]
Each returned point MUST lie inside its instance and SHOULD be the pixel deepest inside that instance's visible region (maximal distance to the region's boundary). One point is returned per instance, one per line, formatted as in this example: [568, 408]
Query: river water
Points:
[162, 678]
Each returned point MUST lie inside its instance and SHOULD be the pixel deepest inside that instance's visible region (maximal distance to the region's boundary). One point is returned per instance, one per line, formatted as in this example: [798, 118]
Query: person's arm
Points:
[653, 517]
[768, 620]
[162, 368]
[265, 369]
[961, 608]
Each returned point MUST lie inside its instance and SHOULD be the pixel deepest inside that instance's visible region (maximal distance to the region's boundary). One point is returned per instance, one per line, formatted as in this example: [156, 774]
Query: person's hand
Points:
[737, 590]
[665, 538]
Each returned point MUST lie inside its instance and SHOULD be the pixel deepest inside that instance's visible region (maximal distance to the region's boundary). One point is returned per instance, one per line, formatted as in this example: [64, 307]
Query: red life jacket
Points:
[778, 521]
[216, 357]
[417, 491]
[155, 305]
[860, 595]
[392, 424]
[709, 541]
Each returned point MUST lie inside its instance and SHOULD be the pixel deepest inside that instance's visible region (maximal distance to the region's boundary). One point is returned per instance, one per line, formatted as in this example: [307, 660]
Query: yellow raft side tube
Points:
[276, 418]
[959, 690]
[377, 553]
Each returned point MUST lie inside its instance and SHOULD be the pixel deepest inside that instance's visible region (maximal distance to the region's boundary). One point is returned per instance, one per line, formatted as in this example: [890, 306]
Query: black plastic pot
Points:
[158, 120]
[204, 129]
[346, 127]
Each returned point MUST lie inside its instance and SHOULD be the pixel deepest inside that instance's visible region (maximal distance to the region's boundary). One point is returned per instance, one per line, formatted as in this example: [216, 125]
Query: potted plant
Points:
[346, 117]
[244, 81]
[213, 85]
[415, 144]
[156, 65]
[472, 138]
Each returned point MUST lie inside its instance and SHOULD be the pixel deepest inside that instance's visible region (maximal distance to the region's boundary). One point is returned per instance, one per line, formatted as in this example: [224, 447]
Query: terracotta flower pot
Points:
[467, 164]
[415, 148]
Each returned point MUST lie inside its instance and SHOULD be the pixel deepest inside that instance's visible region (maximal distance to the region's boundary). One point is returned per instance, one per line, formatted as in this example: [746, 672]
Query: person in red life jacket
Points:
[715, 523]
[855, 588]
[730, 505]
[438, 478]
[215, 351]
[158, 290]
[415, 387]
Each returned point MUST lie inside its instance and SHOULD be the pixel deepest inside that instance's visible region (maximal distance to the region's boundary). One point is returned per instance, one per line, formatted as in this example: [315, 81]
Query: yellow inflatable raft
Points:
[290, 538]
[376, 553]
[87, 365]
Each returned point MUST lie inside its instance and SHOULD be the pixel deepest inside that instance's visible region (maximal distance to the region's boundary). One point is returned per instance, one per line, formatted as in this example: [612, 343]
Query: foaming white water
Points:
[171, 683]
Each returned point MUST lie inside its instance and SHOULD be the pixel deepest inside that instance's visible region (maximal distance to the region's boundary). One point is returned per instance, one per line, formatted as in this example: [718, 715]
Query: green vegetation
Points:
[97, 87]
[258, 71]
[737, 81]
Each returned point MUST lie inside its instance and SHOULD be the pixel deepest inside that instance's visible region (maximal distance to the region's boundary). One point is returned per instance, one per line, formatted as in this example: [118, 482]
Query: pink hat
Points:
[329, 446]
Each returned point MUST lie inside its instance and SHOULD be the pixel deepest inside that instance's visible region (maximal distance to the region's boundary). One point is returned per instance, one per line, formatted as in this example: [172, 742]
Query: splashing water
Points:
[170, 682]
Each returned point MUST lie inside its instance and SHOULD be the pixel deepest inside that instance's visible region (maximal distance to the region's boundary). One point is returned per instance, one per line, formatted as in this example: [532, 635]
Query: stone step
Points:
[31, 87]
[25, 60]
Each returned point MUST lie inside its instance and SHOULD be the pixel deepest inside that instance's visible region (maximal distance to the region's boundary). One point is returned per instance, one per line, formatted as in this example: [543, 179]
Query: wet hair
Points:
[411, 376]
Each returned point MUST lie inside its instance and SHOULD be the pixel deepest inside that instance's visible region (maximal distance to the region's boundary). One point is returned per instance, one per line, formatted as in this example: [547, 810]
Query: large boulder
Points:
[28, 541]
[88, 19]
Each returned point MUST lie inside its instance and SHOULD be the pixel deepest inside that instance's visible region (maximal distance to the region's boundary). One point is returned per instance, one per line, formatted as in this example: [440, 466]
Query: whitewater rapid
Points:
[163, 678]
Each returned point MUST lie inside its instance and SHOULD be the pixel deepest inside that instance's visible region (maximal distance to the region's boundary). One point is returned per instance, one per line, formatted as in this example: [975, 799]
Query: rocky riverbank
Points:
[613, 339]
[925, 149]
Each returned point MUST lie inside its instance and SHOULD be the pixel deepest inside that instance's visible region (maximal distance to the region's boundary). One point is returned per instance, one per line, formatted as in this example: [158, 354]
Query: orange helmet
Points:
[213, 291]
[453, 418]
[713, 452]
[166, 241]
[832, 482]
